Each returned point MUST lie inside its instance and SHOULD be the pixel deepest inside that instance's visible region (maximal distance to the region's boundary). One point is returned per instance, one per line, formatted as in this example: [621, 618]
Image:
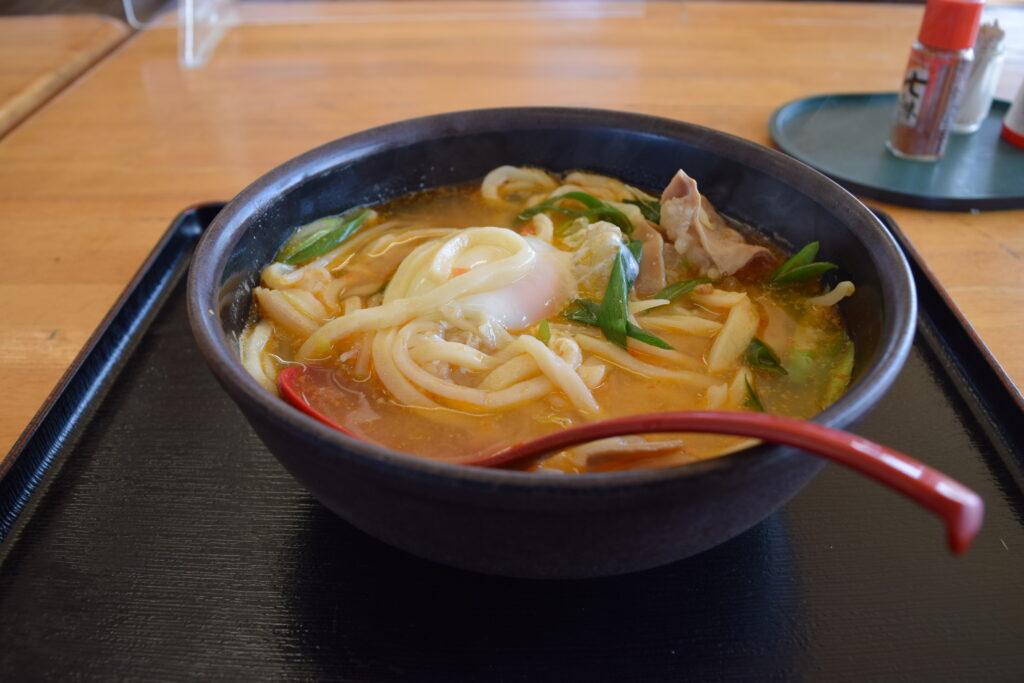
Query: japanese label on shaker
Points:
[912, 94]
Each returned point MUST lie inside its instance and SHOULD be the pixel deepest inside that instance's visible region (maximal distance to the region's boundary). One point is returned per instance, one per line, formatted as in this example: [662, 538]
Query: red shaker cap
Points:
[951, 24]
[1013, 137]
[1013, 122]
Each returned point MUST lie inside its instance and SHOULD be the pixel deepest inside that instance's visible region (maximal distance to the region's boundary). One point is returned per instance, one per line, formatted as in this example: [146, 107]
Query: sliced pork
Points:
[699, 233]
[652, 264]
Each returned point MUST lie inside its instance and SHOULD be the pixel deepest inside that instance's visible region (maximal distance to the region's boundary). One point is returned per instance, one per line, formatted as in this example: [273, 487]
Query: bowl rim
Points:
[211, 256]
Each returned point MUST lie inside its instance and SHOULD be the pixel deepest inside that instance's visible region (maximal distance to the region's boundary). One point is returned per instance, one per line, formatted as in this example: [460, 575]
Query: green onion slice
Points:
[612, 316]
[596, 210]
[752, 402]
[760, 356]
[544, 332]
[339, 229]
[801, 266]
[650, 208]
[680, 288]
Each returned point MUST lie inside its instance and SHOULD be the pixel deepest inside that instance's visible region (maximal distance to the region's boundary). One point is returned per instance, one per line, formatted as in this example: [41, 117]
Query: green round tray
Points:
[844, 135]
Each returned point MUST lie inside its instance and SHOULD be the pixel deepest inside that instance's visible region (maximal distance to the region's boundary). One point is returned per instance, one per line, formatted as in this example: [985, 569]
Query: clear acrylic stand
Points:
[202, 23]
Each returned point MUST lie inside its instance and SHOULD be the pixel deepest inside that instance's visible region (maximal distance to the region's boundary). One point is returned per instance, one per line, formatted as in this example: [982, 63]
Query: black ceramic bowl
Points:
[515, 523]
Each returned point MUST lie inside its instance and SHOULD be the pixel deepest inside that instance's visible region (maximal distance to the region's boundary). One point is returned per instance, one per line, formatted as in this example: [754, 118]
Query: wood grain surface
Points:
[39, 55]
[89, 183]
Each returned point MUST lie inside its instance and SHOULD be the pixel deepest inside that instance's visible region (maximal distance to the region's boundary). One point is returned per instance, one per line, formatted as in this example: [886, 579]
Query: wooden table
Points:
[90, 182]
[39, 55]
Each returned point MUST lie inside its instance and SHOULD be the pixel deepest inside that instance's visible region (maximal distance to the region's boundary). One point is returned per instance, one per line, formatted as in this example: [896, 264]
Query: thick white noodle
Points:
[626, 444]
[716, 396]
[631, 211]
[520, 393]
[718, 298]
[592, 373]
[454, 353]
[646, 305]
[330, 295]
[352, 304]
[560, 373]
[306, 303]
[514, 179]
[633, 345]
[277, 308]
[382, 244]
[312, 277]
[410, 294]
[690, 324]
[568, 350]
[425, 380]
[444, 259]
[389, 375]
[838, 293]
[624, 360]
[737, 397]
[361, 370]
[252, 348]
[508, 373]
[507, 397]
[736, 334]
[544, 227]
[594, 181]
[562, 189]
[680, 359]
[640, 194]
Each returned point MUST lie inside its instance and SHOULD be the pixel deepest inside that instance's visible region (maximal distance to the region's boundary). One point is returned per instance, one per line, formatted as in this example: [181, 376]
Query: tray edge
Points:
[32, 457]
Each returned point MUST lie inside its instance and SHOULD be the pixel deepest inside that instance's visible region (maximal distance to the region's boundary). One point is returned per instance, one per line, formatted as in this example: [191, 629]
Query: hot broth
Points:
[581, 298]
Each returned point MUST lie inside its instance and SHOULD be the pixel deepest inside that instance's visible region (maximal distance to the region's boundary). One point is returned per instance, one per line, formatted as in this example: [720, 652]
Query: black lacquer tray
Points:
[148, 534]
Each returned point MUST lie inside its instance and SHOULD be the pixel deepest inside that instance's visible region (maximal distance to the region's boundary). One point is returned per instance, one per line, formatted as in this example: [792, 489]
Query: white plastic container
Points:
[976, 102]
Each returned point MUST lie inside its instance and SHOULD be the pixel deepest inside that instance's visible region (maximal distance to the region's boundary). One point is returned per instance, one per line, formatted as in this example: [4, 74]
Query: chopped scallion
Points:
[583, 311]
[323, 241]
[642, 335]
[680, 288]
[596, 210]
[752, 401]
[801, 266]
[612, 316]
[544, 331]
[760, 356]
[650, 208]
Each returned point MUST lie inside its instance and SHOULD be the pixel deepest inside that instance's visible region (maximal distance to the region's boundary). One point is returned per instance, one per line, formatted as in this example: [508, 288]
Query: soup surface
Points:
[455, 321]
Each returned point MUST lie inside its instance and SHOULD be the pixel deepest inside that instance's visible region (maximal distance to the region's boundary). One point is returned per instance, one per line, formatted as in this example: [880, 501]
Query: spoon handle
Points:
[960, 508]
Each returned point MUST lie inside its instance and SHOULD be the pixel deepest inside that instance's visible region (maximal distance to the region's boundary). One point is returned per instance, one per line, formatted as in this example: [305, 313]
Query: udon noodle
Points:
[452, 321]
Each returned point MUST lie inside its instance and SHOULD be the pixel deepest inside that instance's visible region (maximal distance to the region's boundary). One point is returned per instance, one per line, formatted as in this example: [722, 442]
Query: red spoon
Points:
[288, 385]
[960, 508]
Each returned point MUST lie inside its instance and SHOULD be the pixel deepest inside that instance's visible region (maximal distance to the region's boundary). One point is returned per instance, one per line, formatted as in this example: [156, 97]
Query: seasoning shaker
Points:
[989, 52]
[933, 82]
[1013, 124]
